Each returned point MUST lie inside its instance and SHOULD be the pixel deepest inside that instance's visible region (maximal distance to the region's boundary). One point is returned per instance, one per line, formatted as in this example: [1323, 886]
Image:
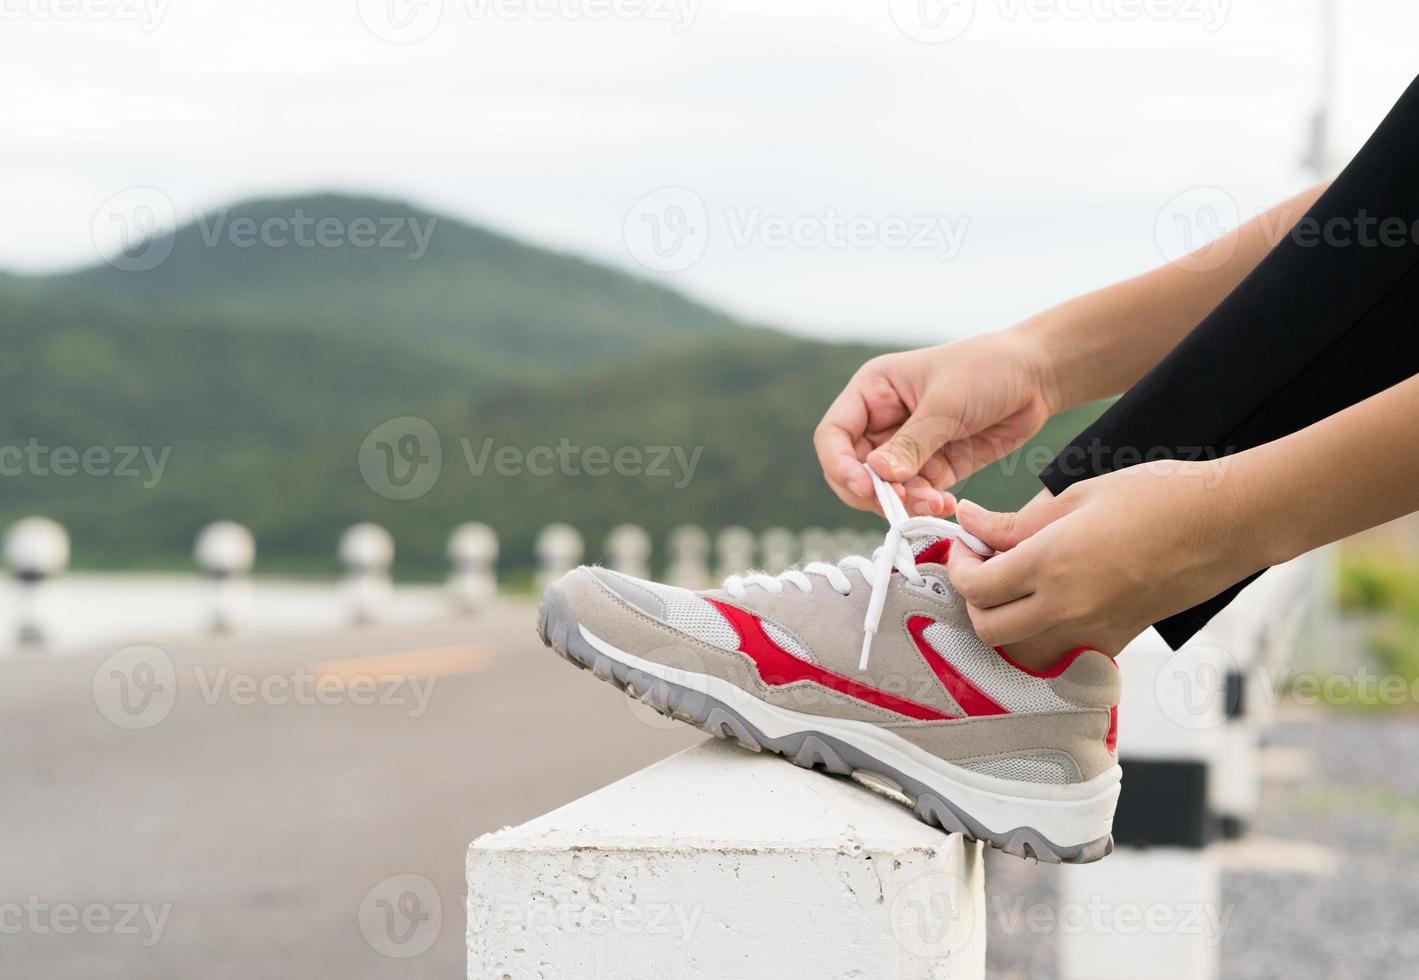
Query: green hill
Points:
[393, 273]
[248, 380]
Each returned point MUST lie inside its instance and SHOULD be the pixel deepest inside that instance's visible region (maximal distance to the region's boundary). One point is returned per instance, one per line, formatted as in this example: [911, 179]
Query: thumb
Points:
[1002, 530]
[903, 456]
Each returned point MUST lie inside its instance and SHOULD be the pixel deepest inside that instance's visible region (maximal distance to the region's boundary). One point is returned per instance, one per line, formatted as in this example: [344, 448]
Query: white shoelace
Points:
[896, 552]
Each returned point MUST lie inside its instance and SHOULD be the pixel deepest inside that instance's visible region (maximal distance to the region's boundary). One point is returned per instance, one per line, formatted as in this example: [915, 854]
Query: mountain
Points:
[392, 273]
[253, 383]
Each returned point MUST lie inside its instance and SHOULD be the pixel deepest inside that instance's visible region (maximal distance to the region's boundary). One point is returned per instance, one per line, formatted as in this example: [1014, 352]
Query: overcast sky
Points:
[895, 169]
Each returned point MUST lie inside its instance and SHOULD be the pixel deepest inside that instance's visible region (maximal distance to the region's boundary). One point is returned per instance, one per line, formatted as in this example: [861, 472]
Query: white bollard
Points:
[225, 552]
[36, 548]
[473, 555]
[688, 565]
[1154, 913]
[1171, 738]
[628, 549]
[778, 548]
[734, 549]
[559, 550]
[815, 544]
[717, 864]
[367, 552]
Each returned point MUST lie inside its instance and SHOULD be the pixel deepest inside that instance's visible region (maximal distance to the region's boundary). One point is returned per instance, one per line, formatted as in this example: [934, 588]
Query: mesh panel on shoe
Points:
[690, 613]
[1025, 769]
[921, 544]
[788, 641]
[1005, 684]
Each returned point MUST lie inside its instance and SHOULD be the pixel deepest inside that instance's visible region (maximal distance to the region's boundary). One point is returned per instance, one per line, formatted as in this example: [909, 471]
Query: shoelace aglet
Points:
[867, 636]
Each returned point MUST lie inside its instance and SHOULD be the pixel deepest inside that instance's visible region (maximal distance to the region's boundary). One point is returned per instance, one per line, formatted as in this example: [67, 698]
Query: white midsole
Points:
[1067, 815]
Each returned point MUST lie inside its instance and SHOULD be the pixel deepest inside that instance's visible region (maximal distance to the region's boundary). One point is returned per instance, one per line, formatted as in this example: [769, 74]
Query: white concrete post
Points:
[815, 544]
[628, 549]
[717, 864]
[225, 552]
[473, 557]
[689, 548]
[1171, 737]
[559, 550]
[36, 549]
[778, 548]
[367, 552]
[734, 550]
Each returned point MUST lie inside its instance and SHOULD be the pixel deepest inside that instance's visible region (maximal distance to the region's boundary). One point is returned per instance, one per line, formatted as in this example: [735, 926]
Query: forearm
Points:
[1099, 344]
[1354, 470]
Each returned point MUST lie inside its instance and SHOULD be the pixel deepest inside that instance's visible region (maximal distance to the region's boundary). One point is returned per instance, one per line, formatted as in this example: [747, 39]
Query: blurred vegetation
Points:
[263, 369]
[1384, 585]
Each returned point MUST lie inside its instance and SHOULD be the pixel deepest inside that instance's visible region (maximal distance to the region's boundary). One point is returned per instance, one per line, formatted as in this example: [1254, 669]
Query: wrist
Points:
[1036, 341]
[1257, 532]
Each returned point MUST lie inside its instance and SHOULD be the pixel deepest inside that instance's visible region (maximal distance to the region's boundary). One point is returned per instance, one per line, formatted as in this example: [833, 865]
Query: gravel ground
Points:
[1324, 884]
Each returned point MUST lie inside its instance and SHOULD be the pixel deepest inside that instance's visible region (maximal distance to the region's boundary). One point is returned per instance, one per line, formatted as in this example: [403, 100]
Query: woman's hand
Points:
[1107, 558]
[926, 419]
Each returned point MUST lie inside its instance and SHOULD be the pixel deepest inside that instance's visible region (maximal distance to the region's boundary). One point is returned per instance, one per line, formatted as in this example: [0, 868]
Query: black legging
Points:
[1327, 319]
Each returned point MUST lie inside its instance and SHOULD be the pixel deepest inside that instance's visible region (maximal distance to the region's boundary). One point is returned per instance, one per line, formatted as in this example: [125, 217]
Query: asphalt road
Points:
[285, 807]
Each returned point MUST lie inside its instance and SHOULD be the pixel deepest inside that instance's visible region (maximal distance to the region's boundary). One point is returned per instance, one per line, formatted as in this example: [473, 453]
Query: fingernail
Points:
[969, 507]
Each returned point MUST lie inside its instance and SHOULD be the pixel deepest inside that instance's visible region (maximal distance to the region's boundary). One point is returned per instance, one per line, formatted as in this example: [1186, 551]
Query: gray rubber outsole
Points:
[559, 630]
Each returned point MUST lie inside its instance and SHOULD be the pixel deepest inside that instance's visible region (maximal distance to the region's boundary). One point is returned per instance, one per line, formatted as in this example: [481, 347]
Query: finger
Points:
[939, 470]
[914, 442]
[924, 499]
[990, 582]
[837, 439]
[1012, 622]
[1004, 530]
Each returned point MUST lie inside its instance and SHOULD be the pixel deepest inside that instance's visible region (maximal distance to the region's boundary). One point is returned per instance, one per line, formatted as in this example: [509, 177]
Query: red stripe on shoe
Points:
[1059, 667]
[778, 667]
[973, 701]
[1111, 739]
